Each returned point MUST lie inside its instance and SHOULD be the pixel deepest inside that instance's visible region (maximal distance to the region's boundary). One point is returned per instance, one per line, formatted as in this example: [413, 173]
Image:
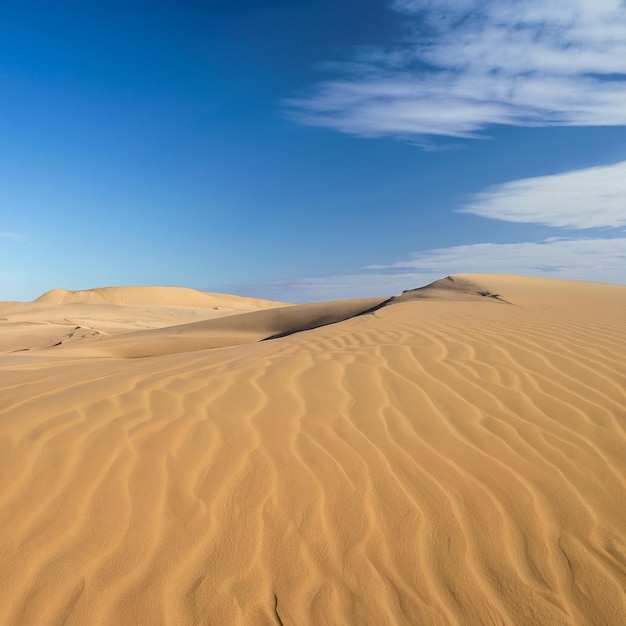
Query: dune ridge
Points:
[229, 330]
[450, 459]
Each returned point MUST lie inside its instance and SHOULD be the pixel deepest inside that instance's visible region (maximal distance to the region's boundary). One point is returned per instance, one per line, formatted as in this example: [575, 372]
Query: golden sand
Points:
[452, 456]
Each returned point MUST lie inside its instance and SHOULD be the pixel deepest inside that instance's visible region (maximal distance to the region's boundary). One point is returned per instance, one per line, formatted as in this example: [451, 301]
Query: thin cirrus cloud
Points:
[471, 63]
[581, 259]
[579, 199]
[596, 260]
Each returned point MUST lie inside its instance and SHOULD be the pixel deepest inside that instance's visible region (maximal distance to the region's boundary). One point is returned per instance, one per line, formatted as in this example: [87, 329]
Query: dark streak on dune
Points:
[320, 323]
[278, 619]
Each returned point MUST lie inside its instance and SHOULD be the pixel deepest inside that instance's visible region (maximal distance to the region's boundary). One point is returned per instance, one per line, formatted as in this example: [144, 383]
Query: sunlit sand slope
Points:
[447, 459]
[61, 317]
[224, 331]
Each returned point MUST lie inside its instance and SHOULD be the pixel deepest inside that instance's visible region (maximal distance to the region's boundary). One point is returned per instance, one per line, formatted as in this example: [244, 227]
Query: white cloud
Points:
[589, 198]
[597, 260]
[579, 199]
[602, 260]
[471, 63]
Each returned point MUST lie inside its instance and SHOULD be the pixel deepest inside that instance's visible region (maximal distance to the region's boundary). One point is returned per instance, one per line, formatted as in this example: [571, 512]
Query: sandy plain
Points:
[452, 456]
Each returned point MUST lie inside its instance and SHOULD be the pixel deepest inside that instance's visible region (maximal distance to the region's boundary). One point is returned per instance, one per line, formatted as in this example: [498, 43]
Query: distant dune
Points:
[454, 455]
[156, 296]
[61, 317]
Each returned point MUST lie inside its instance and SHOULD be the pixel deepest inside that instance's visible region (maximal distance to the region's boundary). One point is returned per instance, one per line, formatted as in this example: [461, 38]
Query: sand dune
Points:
[61, 317]
[157, 296]
[226, 331]
[456, 456]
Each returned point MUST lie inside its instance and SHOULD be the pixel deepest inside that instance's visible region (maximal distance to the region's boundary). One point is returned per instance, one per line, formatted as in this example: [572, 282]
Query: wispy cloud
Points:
[589, 198]
[597, 260]
[471, 63]
[602, 260]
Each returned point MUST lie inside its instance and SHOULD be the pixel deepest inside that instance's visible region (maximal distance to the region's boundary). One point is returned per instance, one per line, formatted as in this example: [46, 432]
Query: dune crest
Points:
[450, 288]
[451, 459]
[228, 330]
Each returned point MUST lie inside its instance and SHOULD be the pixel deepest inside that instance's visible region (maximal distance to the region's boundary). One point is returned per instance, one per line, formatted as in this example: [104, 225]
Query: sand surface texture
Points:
[453, 456]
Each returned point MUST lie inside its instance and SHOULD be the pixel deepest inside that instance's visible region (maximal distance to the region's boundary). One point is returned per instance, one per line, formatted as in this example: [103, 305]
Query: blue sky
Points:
[303, 150]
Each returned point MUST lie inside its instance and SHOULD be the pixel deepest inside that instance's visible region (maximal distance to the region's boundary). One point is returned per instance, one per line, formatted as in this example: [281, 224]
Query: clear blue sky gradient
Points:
[156, 143]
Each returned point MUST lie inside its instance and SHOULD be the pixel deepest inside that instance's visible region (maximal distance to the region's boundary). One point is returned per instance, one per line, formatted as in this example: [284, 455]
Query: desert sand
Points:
[455, 455]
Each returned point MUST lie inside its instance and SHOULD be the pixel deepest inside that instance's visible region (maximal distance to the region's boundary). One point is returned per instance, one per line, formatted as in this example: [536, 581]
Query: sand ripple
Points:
[434, 462]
